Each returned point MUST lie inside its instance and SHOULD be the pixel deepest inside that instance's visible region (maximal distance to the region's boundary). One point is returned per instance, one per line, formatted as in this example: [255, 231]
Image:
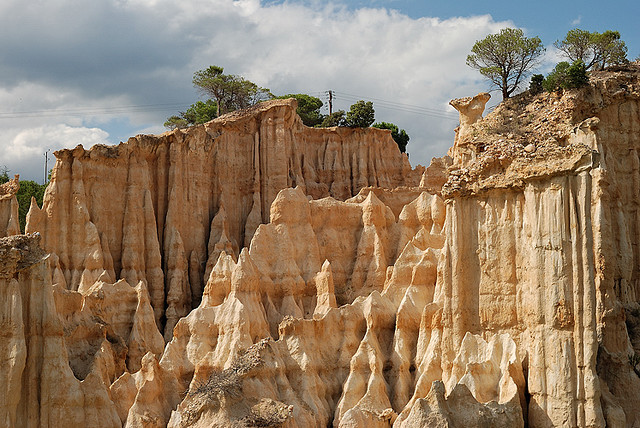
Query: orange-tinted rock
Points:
[9, 224]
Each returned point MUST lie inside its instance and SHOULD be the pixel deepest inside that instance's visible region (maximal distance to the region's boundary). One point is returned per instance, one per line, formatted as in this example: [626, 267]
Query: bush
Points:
[556, 78]
[308, 108]
[361, 115]
[400, 136]
[197, 114]
[334, 119]
[577, 75]
[535, 86]
[566, 76]
[4, 174]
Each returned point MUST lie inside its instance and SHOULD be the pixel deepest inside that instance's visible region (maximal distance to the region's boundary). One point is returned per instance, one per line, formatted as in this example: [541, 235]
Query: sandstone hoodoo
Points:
[9, 208]
[255, 272]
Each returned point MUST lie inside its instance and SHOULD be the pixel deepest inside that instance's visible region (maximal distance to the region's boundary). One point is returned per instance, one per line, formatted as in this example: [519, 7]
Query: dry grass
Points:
[228, 384]
[228, 381]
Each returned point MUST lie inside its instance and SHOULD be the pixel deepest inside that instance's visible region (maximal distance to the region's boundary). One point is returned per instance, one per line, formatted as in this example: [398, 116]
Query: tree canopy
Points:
[308, 108]
[4, 174]
[536, 84]
[230, 92]
[506, 58]
[400, 136]
[566, 76]
[597, 50]
[337, 118]
[360, 115]
[197, 113]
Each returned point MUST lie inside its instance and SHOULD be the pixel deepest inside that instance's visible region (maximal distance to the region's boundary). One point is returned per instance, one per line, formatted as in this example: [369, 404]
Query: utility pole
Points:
[330, 92]
[46, 165]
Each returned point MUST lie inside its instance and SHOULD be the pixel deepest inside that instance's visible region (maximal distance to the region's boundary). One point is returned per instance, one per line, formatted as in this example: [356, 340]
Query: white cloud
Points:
[370, 53]
[142, 52]
[577, 21]
[37, 117]
[25, 152]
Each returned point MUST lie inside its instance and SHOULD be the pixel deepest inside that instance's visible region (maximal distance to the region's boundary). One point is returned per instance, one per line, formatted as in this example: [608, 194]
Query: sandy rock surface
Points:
[255, 272]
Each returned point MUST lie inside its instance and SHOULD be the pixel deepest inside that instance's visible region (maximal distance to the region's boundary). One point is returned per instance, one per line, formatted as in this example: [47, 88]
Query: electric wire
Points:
[173, 107]
[392, 105]
[92, 111]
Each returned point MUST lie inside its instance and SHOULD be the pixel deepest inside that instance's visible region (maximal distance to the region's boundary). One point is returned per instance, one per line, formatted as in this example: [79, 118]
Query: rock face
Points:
[39, 387]
[9, 224]
[156, 208]
[250, 272]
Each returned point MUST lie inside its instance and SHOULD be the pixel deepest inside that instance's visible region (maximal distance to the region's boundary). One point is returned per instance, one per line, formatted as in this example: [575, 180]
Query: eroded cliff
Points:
[156, 207]
[254, 272]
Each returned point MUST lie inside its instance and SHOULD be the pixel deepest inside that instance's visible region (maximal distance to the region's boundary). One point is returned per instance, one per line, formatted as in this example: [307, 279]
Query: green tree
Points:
[176, 122]
[360, 115]
[197, 113]
[577, 75]
[4, 174]
[610, 49]
[400, 136]
[566, 76]
[555, 80]
[506, 58]
[308, 108]
[337, 118]
[577, 45]
[597, 50]
[229, 91]
[535, 86]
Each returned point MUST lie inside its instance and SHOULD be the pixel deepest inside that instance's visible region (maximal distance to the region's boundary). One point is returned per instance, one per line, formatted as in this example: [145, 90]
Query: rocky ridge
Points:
[498, 287]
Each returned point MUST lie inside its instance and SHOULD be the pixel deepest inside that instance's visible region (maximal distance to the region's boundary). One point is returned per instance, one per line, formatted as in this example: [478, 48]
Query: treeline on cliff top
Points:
[505, 59]
[228, 92]
[508, 57]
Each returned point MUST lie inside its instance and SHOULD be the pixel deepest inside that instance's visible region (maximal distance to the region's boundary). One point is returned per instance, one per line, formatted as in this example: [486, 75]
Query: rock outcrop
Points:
[39, 386]
[157, 207]
[552, 257]
[9, 224]
[251, 272]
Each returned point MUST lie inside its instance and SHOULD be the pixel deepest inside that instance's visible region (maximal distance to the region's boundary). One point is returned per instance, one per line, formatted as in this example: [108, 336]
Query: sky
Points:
[99, 72]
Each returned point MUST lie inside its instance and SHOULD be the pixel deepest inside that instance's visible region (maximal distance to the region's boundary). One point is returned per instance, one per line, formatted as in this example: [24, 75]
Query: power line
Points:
[392, 105]
[400, 104]
[89, 111]
[331, 96]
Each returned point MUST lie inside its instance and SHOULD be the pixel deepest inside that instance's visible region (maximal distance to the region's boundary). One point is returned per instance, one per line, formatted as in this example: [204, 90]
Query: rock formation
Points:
[9, 224]
[151, 208]
[254, 272]
[470, 110]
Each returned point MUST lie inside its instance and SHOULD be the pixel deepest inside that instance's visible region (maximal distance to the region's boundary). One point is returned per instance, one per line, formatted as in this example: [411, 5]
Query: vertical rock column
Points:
[523, 263]
[9, 224]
